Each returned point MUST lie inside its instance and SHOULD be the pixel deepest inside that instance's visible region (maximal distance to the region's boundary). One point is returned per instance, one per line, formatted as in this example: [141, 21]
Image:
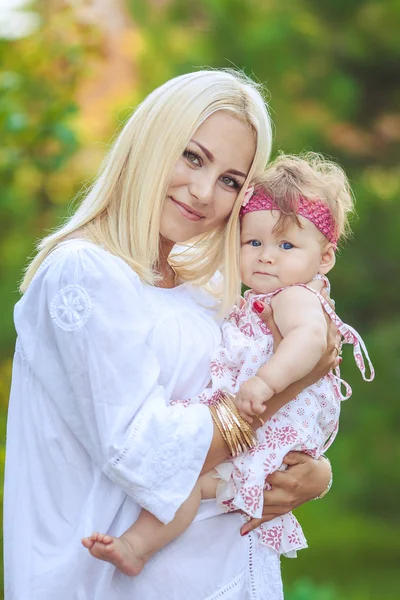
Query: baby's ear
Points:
[328, 259]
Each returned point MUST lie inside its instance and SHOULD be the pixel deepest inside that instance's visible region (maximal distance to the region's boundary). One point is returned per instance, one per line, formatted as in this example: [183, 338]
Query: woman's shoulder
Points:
[78, 260]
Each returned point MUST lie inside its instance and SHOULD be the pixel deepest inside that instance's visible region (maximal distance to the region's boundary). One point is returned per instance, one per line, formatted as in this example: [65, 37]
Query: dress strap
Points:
[350, 336]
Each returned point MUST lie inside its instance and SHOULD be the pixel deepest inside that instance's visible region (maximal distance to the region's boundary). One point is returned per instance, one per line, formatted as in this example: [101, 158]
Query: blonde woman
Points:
[116, 322]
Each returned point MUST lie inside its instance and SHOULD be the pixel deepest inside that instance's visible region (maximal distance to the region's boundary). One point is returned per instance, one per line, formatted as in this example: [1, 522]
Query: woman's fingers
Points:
[295, 458]
[328, 299]
[265, 313]
[334, 343]
[270, 512]
[250, 525]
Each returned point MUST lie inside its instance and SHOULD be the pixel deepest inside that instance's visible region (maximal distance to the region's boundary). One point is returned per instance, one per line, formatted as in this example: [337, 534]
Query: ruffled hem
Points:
[283, 534]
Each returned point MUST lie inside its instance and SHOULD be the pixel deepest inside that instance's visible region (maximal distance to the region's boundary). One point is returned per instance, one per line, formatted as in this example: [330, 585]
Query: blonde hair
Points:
[313, 177]
[122, 210]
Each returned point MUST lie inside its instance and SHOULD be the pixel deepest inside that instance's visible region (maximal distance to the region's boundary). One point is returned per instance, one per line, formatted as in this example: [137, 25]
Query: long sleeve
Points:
[92, 357]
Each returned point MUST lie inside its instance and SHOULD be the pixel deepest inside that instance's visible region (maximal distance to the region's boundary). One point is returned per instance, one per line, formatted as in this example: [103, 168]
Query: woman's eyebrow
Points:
[234, 172]
[209, 155]
[211, 158]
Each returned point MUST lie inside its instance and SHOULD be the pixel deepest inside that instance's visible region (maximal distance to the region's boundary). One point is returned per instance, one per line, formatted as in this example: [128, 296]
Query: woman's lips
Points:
[187, 212]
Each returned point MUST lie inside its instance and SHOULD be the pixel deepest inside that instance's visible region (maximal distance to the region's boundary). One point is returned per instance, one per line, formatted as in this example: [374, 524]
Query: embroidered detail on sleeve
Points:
[71, 307]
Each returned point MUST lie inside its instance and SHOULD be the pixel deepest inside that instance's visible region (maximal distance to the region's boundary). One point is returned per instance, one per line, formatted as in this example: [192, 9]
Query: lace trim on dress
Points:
[135, 428]
[264, 571]
[230, 592]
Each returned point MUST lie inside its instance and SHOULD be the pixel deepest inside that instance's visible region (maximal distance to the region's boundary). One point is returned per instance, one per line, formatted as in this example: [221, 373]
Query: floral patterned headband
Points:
[315, 211]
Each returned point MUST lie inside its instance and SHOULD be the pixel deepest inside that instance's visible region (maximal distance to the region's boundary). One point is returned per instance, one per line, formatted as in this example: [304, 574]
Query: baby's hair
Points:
[313, 177]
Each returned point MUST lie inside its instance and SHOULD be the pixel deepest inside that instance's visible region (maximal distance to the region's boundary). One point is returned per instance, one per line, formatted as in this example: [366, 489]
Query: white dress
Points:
[91, 438]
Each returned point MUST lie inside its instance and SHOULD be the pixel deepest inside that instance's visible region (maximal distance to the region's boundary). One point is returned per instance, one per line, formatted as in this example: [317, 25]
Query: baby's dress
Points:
[308, 423]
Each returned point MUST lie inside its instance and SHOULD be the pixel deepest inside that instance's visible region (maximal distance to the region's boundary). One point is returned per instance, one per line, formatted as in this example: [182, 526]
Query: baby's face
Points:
[270, 260]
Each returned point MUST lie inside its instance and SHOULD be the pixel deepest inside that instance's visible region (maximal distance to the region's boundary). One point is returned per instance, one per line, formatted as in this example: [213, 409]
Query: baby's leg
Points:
[130, 552]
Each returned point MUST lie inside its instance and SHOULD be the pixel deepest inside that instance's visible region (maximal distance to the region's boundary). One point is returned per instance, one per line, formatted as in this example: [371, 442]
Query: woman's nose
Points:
[202, 187]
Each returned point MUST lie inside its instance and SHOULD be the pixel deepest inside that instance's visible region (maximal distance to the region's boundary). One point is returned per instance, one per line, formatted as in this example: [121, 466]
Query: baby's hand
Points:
[252, 397]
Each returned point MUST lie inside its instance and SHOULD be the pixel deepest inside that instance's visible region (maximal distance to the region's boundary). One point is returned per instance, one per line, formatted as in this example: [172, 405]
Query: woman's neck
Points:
[166, 271]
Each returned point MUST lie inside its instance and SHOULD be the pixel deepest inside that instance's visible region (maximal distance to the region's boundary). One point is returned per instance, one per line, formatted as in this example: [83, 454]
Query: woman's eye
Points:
[230, 182]
[255, 243]
[286, 246]
[192, 157]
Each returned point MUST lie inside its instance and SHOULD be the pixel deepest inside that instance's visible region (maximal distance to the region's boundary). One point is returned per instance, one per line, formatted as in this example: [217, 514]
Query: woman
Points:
[112, 327]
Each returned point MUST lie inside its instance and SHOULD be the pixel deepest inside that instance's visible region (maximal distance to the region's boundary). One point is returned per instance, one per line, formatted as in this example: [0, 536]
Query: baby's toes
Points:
[107, 539]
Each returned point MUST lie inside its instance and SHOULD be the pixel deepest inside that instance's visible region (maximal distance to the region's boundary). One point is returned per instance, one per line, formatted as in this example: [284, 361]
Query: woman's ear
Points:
[328, 259]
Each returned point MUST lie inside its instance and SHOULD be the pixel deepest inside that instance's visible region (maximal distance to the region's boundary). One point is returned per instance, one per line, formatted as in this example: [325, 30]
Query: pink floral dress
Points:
[308, 423]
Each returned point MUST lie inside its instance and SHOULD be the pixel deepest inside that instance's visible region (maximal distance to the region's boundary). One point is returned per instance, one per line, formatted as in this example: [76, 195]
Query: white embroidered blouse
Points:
[91, 436]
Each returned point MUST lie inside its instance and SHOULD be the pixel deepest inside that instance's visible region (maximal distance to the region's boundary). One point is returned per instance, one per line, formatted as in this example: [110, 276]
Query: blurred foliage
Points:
[331, 70]
[39, 78]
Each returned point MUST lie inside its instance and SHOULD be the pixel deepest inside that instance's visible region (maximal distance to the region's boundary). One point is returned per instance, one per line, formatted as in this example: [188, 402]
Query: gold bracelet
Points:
[228, 425]
[235, 431]
[223, 429]
[216, 421]
[245, 428]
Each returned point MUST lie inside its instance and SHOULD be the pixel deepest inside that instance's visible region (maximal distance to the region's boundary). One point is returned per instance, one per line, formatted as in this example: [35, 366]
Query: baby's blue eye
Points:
[286, 246]
[255, 243]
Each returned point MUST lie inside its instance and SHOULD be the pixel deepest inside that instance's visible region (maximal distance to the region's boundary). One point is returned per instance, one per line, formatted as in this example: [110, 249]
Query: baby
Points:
[290, 227]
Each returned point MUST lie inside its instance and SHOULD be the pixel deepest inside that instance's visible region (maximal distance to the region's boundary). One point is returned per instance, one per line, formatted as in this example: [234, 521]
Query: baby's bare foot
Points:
[121, 552]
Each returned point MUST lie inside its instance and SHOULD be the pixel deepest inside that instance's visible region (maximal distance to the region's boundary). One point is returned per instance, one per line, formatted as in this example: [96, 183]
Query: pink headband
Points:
[315, 211]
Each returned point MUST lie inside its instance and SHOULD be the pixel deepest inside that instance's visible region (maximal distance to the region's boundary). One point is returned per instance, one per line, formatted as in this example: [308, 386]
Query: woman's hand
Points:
[304, 479]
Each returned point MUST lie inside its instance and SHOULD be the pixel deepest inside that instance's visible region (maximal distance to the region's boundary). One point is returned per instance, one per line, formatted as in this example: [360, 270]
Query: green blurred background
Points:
[71, 73]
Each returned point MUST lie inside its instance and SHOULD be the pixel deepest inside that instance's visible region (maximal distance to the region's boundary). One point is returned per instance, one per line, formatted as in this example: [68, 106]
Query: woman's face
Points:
[207, 178]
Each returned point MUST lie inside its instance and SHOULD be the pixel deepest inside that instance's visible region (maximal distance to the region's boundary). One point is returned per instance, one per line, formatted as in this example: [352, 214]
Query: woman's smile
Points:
[187, 211]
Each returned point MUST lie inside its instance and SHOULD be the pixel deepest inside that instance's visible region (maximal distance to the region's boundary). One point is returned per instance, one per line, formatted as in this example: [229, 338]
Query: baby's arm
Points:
[299, 315]
[301, 321]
